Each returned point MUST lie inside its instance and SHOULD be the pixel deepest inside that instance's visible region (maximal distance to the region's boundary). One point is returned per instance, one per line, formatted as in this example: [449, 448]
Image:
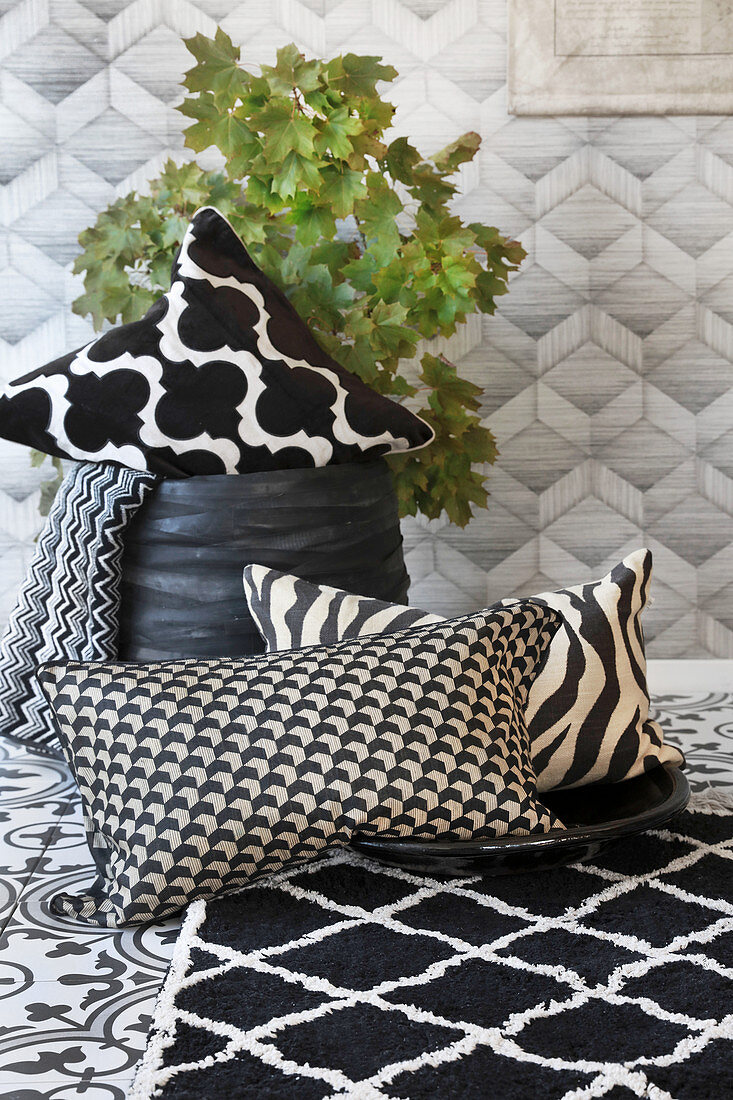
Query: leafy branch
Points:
[358, 231]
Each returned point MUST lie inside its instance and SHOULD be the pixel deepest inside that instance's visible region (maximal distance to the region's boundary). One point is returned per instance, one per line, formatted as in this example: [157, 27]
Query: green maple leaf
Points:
[360, 272]
[458, 152]
[317, 296]
[185, 185]
[285, 132]
[341, 188]
[457, 275]
[400, 387]
[377, 215]
[295, 172]
[160, 268]
[355, 75]
[479, 444]
[334, 135]
[258, 191]
[390, 334]
[292, 71]
[234, 137]
[218, 51]
[487, 237]
[429, 187]
[119, 239]
[312, 221]
[489, 287]
[390, 280]
[217, 69]
[442, 377]
[362, 360]
[401, 159]
[334, 255]
[205, 111]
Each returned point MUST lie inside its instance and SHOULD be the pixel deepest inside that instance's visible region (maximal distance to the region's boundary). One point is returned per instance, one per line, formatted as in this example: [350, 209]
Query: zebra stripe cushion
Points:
[197, 776]
[588, 709]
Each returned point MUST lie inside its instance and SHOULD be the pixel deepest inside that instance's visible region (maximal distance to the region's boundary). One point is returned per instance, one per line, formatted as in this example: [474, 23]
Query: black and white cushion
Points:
[221, 376]
[197, 776]
[588, 709]
[67, 607]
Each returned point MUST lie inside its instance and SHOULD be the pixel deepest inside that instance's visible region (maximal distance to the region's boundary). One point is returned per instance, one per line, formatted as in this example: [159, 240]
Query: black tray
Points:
[595, 817]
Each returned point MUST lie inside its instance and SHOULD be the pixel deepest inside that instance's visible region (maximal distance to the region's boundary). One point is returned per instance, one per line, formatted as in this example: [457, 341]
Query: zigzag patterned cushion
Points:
[197, 776]
[221, 376]
[68, 604]
[588, 709]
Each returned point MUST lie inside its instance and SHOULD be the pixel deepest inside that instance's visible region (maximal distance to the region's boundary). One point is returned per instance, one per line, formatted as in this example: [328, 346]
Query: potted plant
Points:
[356, 229]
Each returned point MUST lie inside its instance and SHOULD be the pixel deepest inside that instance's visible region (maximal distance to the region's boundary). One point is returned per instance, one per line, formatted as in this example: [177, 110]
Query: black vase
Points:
[182, 593]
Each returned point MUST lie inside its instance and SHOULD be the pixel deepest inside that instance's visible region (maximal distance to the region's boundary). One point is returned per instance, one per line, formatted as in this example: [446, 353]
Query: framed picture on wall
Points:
[627, 57]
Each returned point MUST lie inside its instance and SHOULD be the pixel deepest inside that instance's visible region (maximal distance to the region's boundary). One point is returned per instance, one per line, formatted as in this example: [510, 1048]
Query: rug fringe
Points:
[712, 800]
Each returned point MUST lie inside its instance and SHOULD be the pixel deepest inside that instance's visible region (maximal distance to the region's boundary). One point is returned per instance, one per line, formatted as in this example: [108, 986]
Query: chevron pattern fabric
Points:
[68, 604]
[196, 777]
[588, 708]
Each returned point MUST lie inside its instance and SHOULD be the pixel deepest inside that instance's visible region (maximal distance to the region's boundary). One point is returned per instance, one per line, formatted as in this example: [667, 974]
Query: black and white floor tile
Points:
[702, 726]
[75, 1002]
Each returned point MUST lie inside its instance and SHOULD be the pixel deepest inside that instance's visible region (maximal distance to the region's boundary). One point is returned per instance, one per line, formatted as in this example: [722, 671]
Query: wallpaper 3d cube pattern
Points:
[608, 369]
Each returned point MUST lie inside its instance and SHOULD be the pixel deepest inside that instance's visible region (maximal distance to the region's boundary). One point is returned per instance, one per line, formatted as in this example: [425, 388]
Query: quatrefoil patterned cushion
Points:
[221, 376]
[198, 776]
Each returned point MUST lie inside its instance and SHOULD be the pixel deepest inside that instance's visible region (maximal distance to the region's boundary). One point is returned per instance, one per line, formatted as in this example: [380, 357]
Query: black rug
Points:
[345, 979]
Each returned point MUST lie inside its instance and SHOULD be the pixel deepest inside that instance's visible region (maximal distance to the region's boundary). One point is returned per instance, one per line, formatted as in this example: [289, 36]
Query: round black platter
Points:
[594, 817]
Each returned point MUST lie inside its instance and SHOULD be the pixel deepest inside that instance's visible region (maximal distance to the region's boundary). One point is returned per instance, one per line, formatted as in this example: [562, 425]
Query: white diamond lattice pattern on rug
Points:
[351, 980]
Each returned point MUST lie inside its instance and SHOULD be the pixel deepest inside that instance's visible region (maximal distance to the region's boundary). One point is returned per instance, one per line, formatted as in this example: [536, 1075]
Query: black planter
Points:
[182, 592]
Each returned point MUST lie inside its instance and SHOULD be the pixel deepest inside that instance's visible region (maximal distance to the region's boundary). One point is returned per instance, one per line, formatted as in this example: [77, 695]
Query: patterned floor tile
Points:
[35, 781]
[29, 830]
[11, 888]
[64, 1028]
[58, 1087]
[74, 1001]
[35, 946]
[702, 727]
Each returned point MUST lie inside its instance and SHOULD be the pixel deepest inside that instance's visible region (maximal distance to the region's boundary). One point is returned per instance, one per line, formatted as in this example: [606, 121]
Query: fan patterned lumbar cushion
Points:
[220, 376]
[196, 776]
[588, 709]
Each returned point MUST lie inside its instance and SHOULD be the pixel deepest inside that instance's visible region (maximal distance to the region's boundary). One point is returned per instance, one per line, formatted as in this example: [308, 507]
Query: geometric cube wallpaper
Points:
[608, 369]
